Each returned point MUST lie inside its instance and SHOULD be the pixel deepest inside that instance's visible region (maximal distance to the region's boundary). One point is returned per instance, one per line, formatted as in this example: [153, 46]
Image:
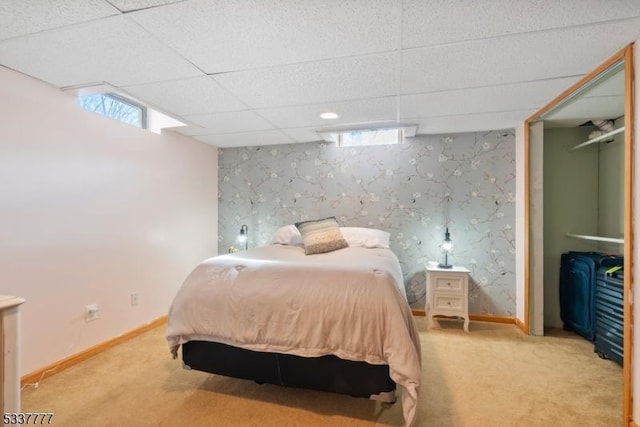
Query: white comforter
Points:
[350, 303]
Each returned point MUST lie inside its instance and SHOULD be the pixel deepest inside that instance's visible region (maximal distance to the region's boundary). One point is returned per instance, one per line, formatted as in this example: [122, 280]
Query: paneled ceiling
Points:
[251, 72]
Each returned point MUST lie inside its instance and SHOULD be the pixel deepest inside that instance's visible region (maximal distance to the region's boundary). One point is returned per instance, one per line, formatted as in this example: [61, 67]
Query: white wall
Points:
[90, 211]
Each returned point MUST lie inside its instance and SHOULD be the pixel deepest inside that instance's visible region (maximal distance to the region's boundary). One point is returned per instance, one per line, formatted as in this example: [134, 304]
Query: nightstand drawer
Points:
[449, 284]
[448, 302]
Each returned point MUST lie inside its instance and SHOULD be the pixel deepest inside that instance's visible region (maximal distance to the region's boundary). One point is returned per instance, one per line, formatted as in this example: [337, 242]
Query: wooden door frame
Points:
[625, 54]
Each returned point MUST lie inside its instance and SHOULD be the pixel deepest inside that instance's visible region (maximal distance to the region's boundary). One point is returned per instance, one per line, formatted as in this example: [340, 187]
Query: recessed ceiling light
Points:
[328, 116]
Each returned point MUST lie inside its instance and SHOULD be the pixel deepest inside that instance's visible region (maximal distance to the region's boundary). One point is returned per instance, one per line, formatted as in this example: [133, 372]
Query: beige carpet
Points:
[492, 376]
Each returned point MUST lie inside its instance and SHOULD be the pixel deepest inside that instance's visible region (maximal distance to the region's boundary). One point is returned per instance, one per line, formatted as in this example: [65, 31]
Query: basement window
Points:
[363, 137]
[115, 107]
[358, 138]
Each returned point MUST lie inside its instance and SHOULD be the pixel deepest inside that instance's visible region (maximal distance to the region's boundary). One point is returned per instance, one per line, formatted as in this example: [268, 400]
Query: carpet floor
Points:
[492, 376]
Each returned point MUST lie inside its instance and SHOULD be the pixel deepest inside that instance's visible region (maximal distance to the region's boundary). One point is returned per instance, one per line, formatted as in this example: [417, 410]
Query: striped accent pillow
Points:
[321, 235]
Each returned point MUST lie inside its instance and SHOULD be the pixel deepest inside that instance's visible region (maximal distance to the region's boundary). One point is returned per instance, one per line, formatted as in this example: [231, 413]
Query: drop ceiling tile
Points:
[303, 134]
[230, 36]
[246, 139]
[236, 121]
[351, 112]
[434, 22]
[129, 5]
[187, 96]
[113, 50]
[315, 82]
[472, 122]
[20, 17]
[523, 57]
[483, 100]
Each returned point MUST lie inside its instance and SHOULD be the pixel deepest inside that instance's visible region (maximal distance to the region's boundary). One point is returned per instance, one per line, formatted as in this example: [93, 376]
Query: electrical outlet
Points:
[91, 312]
[134, 298]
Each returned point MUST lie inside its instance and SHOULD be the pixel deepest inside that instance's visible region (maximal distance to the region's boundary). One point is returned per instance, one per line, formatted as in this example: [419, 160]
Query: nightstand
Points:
[448, 293]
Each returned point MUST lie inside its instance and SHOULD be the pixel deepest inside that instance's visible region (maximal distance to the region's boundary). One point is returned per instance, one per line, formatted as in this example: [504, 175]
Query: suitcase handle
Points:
[614, 271]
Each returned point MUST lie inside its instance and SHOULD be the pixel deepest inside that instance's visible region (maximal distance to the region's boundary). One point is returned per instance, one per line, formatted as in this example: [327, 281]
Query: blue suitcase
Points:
[577, 289]
[609, 342]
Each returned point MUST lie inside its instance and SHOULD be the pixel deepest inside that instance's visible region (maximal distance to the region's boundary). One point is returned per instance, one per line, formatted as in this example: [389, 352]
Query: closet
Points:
[583, 178]
[578, 190]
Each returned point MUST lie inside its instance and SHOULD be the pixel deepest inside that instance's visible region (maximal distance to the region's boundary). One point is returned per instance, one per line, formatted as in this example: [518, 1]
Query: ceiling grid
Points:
[244, 73]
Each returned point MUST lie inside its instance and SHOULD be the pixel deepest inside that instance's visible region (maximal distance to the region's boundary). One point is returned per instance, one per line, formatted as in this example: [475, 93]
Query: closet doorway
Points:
[578, 191]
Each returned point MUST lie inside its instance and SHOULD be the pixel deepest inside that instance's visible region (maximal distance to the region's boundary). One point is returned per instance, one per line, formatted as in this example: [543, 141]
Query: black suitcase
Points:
[577, 289]
[609, 341]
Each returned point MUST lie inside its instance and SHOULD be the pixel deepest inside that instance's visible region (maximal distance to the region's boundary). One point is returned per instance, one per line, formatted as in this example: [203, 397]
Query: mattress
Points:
[349, 303]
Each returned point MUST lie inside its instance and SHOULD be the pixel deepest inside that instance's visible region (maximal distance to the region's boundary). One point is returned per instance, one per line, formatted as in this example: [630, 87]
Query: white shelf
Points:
[597, 238]
[599, 138]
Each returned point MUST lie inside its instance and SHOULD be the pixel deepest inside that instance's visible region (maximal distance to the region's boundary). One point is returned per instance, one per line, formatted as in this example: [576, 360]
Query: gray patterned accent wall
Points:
[413, 191]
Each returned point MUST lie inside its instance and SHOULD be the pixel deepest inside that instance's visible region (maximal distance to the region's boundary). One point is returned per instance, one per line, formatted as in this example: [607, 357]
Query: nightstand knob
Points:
[448, 302]
[449, 284]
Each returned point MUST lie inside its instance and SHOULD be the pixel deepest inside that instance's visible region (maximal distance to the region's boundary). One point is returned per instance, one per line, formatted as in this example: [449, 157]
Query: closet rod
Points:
[598, 238]
[598, 139]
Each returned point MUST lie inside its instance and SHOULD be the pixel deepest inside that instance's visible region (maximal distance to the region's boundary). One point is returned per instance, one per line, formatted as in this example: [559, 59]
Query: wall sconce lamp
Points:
[244, 236]
[447, 245]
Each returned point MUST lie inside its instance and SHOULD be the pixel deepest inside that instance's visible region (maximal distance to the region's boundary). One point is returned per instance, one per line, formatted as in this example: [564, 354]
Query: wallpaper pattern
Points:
[413, 191]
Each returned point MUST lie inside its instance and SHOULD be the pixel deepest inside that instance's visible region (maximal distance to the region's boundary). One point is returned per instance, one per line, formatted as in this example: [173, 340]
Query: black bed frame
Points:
[325, 373]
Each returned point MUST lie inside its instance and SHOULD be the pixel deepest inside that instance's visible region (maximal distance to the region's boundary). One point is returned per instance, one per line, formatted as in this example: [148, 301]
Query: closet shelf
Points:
[598, 238]
[598, 139]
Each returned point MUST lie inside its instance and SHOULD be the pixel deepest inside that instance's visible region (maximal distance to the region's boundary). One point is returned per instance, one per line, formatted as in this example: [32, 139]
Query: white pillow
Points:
[366, 237]
[287, 235]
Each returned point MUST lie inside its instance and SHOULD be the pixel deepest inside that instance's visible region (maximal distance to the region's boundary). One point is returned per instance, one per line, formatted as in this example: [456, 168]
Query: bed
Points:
[337, 321]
